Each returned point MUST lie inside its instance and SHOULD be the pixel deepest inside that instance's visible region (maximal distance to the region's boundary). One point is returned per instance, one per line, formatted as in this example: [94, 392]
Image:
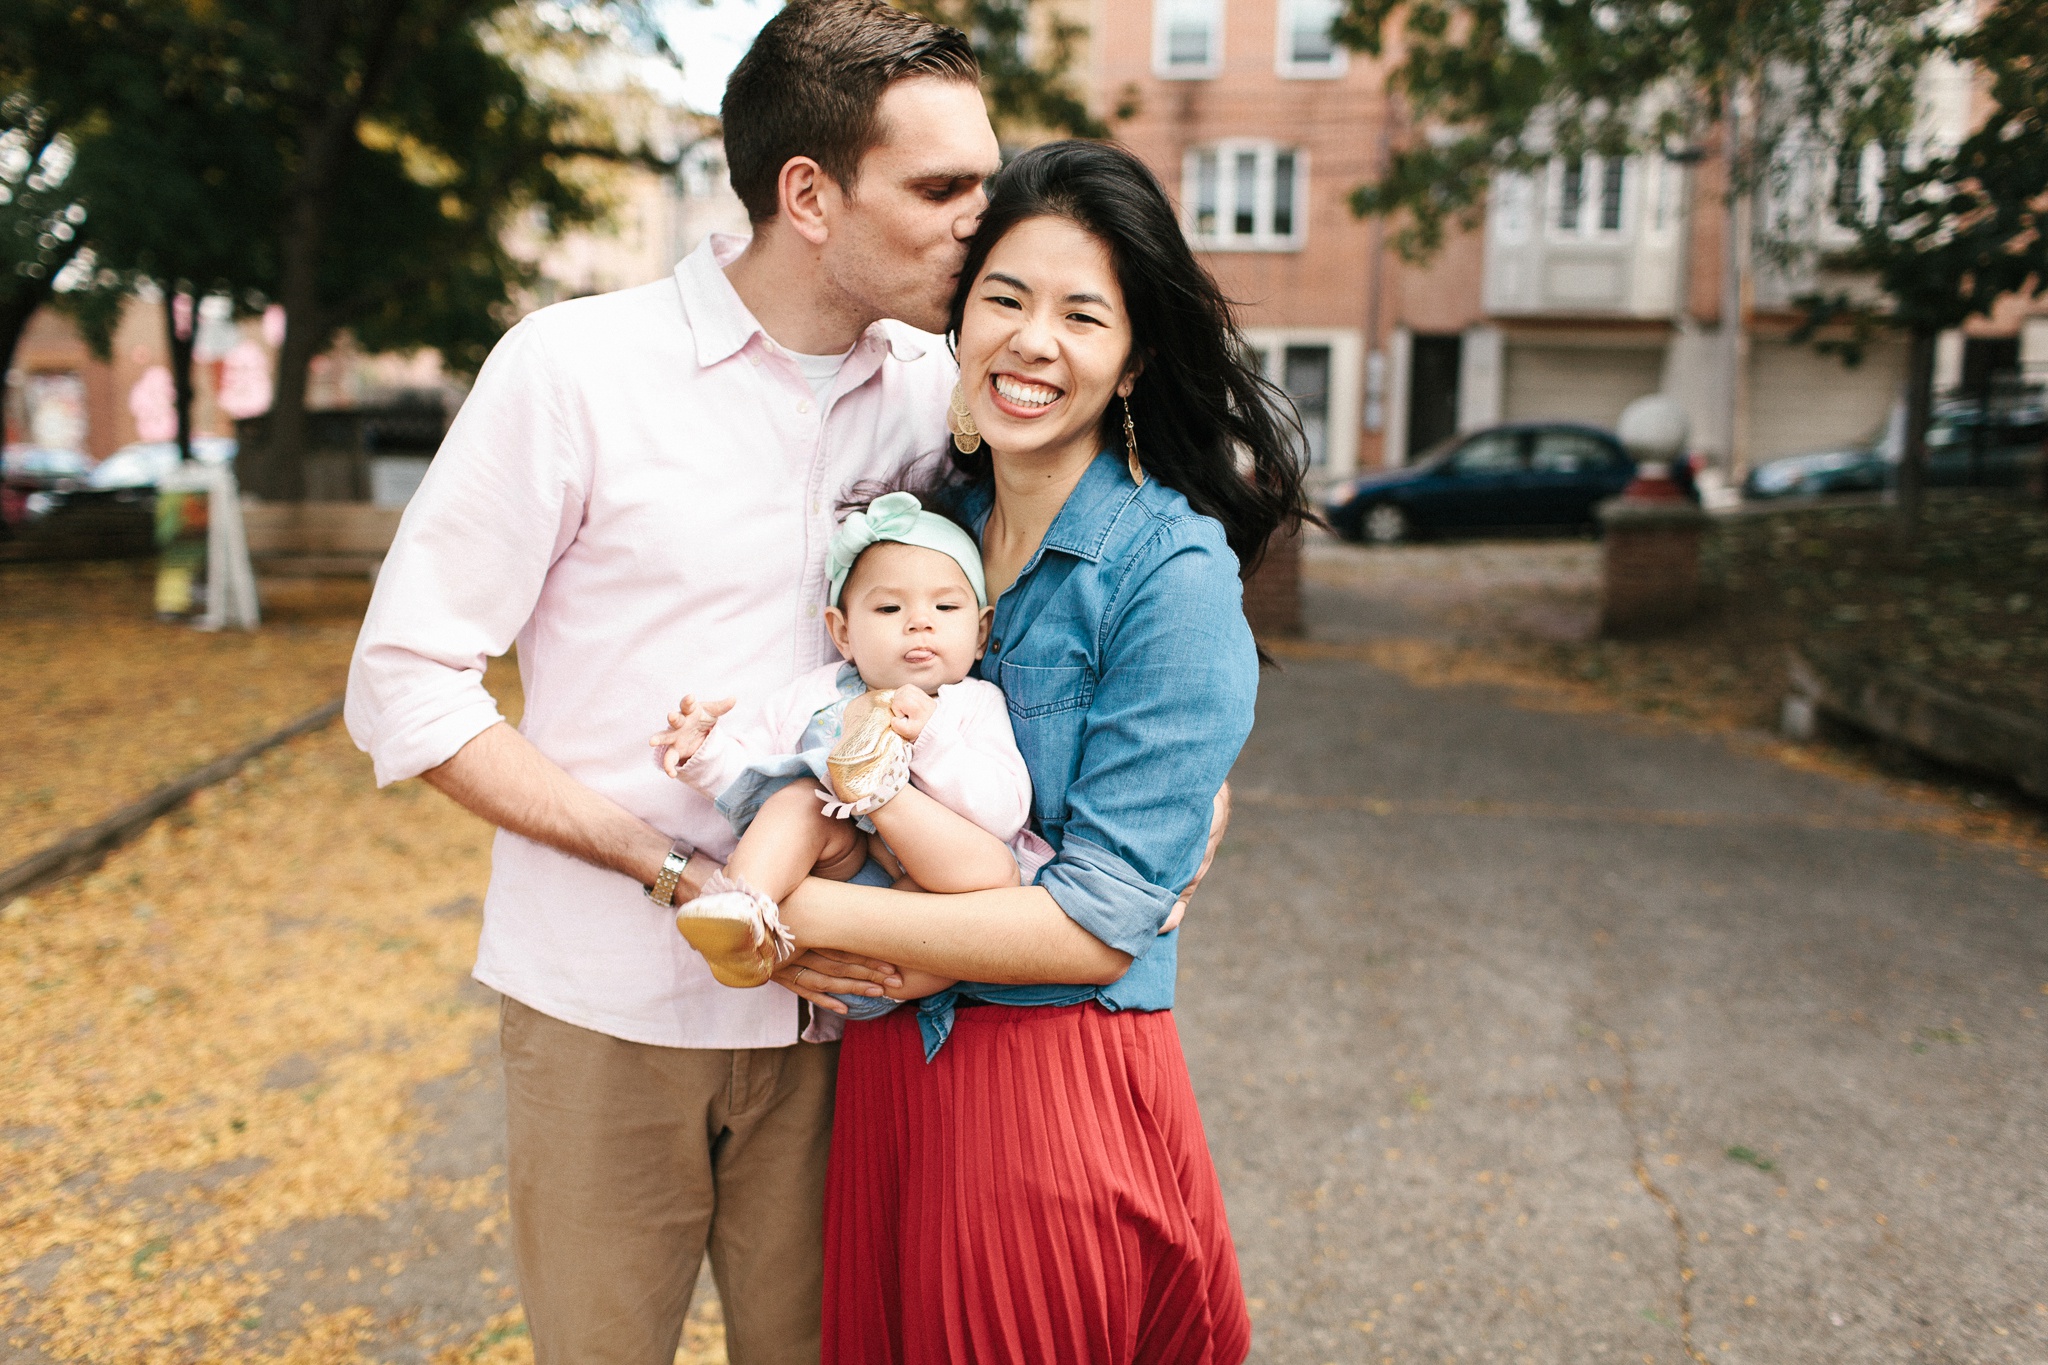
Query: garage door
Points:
[1577, 383]
[1801, 400]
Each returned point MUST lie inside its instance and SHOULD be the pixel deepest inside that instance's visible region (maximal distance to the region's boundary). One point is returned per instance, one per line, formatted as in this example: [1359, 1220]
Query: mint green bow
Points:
[900, 517]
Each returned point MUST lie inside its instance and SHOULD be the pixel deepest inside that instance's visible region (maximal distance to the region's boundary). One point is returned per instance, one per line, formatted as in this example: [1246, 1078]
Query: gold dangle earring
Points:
[966, 436]
[1131, 445]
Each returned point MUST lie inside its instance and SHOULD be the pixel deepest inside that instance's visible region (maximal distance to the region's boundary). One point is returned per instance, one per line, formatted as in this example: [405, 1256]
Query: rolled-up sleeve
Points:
[500, 503]
[1173, 705]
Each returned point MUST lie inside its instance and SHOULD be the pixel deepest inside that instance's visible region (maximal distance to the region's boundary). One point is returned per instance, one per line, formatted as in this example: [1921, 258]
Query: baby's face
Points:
[908, 615]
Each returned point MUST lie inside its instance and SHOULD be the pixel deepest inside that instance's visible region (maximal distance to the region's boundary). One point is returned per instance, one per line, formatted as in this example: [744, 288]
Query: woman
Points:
[1018, 1170]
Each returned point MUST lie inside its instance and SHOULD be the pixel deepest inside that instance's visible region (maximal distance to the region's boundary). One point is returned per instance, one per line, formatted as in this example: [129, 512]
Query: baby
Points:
[920, 769]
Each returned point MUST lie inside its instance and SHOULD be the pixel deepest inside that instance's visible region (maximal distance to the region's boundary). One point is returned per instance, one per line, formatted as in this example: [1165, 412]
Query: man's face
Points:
[898, 240]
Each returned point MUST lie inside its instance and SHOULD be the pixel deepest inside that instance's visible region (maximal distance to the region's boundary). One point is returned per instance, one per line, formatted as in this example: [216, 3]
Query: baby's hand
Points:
[688, 724]
[912, 707]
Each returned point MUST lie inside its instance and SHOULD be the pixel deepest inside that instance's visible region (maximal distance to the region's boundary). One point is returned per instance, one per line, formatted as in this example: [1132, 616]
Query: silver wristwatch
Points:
[663, 892]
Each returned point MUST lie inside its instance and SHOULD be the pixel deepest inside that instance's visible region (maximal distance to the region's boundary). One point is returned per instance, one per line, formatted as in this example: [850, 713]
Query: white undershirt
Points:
[819, 370]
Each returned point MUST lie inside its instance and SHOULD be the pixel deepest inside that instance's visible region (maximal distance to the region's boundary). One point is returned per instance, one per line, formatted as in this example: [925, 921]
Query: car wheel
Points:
[1386, 524]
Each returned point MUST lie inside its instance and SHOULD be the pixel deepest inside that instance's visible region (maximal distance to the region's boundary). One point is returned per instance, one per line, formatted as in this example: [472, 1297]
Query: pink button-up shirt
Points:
[638, 492]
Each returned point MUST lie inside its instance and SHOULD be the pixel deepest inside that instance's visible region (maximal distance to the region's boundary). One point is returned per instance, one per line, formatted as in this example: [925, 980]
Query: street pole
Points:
[1734, 328]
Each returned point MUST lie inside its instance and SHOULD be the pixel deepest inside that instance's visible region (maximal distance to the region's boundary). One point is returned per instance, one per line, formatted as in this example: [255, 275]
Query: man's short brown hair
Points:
[810, 85]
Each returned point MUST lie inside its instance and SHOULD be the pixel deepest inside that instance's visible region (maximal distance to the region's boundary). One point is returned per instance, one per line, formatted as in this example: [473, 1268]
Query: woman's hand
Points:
[1219, 820]
[688, 724]
[911, 707]
[820, 973]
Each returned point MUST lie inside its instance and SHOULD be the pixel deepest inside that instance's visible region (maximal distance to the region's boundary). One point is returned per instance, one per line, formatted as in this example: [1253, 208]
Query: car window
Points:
[1569, 452]
[1494, 452]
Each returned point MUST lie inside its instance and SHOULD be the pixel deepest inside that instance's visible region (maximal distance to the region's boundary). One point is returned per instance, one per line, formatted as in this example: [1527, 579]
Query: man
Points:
[639, 492]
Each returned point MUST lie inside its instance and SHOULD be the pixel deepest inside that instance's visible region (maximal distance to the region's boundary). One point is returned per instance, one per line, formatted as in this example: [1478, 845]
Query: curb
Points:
[84, 849]
[1892, 703]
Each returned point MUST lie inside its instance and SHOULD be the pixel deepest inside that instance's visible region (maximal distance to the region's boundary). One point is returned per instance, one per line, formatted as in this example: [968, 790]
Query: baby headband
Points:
[901, 517]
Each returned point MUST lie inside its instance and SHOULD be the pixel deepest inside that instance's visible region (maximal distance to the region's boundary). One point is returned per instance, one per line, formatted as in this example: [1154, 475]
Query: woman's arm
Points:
[1013, 936]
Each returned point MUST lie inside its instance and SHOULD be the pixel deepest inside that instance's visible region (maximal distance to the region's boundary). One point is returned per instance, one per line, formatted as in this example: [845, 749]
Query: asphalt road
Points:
[1526, 1036]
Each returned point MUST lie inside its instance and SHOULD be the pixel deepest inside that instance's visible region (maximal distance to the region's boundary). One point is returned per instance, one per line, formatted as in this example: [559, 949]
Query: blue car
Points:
[1967, 447]
[1524, 476]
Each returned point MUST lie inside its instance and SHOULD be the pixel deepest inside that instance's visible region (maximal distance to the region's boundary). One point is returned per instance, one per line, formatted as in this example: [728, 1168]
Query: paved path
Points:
[1526, 1036]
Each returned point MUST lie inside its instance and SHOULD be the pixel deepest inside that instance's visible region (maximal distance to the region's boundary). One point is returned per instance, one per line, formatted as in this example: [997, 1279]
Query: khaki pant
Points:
[626, 1161]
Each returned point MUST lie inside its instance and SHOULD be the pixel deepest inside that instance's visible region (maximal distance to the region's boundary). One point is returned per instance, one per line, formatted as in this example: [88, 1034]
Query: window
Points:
[1568, 452]
[1187, 38]
[1245, 196]
[1572, 196]
[1590, 193]
[1610, 194]
[1305, 47]
[1498, 452]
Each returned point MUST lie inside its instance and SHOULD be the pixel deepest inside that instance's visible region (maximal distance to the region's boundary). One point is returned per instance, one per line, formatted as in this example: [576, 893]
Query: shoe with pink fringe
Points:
[738, 931]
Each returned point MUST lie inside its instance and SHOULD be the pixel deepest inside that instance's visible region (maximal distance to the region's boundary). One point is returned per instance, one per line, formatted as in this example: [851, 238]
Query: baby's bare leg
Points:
[792, 838]
[941, 849]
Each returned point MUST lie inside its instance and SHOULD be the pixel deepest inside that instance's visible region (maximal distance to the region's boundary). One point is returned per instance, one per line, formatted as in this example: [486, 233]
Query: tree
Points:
[1958, 232]
[1025, 71]
[40, 218]
[180, 189]
[1494, 86]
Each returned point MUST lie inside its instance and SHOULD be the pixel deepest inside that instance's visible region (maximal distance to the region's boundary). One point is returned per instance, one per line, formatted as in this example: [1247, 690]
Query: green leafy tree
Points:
[1958, 232]
[1027, 56]
[1491, 86]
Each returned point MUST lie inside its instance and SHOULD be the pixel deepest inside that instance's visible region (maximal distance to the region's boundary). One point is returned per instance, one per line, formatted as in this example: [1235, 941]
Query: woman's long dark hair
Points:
[1209, 425]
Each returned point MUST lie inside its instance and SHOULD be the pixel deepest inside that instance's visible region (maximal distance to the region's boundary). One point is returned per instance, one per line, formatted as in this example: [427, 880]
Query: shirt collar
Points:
[1090, 512]
[724, 326]
[1085, 519]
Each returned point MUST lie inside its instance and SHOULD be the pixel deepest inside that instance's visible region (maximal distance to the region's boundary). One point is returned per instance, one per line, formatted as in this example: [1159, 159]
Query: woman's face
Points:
[1044, 340]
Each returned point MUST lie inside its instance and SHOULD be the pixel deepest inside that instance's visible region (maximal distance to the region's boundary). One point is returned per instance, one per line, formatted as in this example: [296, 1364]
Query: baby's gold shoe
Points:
[738, 931]
[871, 762]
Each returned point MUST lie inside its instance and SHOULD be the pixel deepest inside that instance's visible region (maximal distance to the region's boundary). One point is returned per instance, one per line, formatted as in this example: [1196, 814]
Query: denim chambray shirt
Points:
[1131, 676]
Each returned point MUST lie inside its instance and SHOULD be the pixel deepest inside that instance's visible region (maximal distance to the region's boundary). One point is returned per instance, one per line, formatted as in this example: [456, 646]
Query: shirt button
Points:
[811, 610]
[994, 645]
[803, 405]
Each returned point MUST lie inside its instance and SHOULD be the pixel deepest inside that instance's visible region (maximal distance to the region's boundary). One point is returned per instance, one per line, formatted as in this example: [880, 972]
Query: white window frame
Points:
[1283, 47]
[1166, 70]
[1592, 178]
[1262, 237]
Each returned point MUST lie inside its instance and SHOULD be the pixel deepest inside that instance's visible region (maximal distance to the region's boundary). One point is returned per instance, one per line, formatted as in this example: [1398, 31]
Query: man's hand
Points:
[911, 708]
[1219, 820]
[688, 724]
[821, 973]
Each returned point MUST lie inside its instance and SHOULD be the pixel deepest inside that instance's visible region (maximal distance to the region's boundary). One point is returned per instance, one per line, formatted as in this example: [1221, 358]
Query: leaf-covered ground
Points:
[104, 703]
[248, 1097]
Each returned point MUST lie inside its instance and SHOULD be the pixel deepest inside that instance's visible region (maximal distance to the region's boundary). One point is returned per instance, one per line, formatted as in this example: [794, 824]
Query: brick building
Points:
[1588, 286]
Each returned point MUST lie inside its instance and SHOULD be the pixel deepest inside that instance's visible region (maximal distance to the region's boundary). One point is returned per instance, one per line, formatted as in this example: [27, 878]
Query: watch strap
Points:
[663, 892]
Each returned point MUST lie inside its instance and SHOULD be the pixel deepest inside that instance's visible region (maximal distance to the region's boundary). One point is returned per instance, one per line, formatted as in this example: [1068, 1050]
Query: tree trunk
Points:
[15, 311]
[180, 339]
[281, 473]
[1913, 457]
[18, 305]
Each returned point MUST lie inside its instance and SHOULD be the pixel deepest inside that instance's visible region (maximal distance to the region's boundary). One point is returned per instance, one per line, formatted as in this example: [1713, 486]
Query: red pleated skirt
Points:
[1039, 1192]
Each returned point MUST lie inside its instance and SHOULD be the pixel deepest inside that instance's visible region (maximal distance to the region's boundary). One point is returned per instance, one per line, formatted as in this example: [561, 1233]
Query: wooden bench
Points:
[318, 539]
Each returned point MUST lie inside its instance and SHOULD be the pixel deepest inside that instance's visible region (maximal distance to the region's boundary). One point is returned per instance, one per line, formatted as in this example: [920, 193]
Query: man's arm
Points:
[500, 777]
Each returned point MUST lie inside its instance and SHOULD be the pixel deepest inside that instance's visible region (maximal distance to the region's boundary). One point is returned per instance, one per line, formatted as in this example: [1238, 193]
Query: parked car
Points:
[34, 478]
[1518, 477]
[1966, 447]
[144, 464]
